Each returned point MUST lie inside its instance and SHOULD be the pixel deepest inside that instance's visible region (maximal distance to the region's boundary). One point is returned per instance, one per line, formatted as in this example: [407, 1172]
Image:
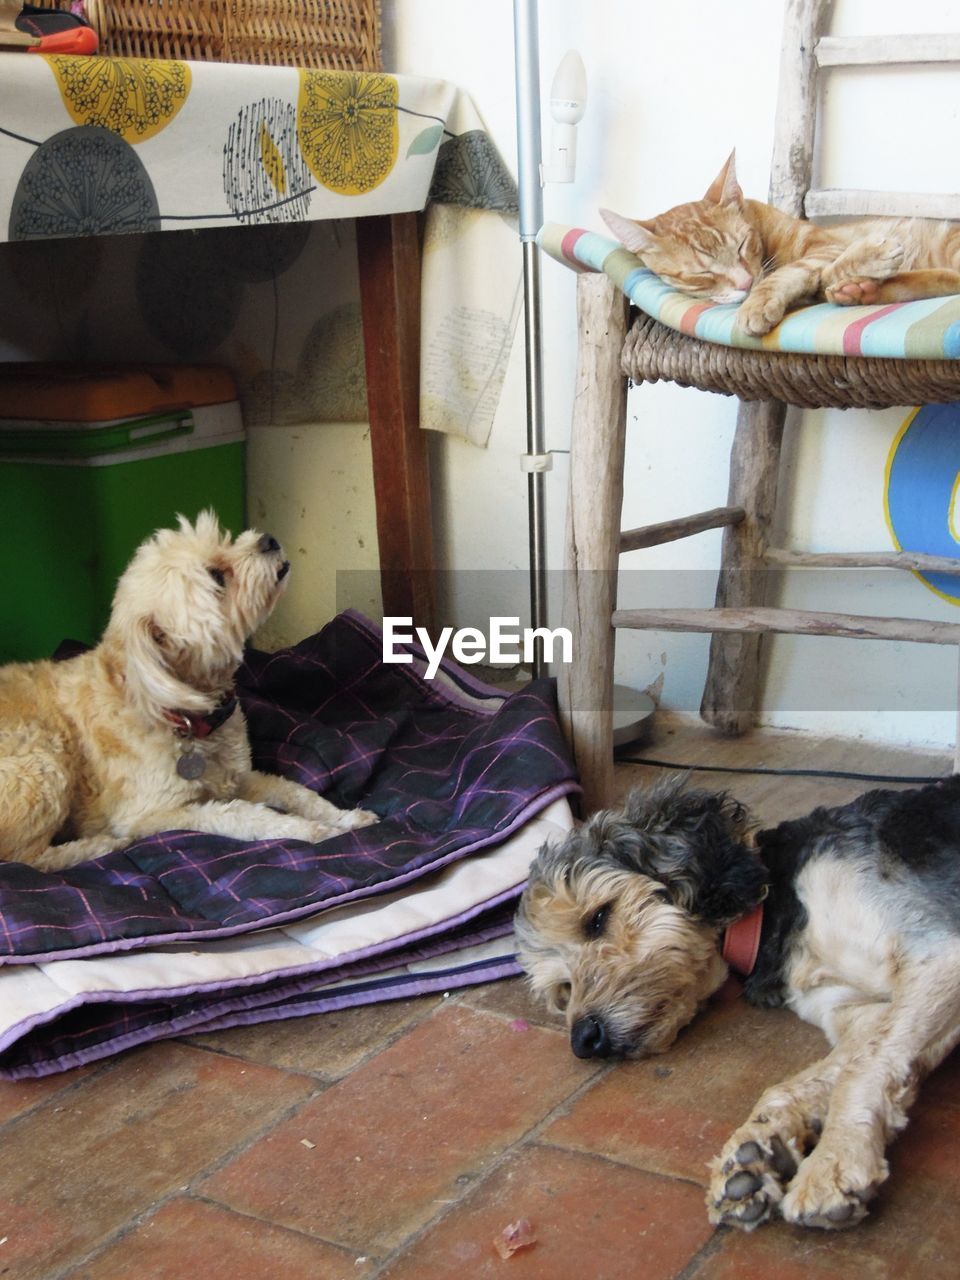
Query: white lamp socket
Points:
[568, 101]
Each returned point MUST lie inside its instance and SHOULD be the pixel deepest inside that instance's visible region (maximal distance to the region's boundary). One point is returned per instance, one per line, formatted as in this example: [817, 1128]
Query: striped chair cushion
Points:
[928, 329]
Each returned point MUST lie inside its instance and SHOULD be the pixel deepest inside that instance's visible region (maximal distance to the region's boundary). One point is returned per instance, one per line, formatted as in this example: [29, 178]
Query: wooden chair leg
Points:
[593, 534]
[732, 690]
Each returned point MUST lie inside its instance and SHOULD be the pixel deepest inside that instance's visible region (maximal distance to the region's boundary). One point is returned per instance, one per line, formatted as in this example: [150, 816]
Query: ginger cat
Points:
[730, 249]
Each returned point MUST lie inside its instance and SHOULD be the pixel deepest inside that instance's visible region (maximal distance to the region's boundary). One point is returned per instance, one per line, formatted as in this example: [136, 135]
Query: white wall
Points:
[672, 89]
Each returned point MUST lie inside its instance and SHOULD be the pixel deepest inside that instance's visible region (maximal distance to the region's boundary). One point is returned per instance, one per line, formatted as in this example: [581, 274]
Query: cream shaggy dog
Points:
[852, 916]
[143, 733]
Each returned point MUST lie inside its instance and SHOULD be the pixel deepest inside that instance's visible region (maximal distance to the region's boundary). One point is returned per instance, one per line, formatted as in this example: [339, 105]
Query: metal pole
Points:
[529, 147]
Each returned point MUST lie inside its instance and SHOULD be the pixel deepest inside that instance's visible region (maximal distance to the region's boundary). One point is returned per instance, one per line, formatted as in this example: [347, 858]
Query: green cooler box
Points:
[92, 460]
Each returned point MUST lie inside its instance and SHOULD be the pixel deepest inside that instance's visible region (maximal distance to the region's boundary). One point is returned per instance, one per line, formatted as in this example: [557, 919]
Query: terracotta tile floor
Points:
[398, 1140]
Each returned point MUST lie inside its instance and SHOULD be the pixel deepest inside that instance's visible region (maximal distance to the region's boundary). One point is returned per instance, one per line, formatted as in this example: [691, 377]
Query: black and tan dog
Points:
[857, 911]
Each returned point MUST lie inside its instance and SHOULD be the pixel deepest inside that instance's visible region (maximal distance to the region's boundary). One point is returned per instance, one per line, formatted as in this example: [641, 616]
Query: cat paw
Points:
[749, 1178]
[856, 276]
[877, 259]
[852, 293]
[760, 312]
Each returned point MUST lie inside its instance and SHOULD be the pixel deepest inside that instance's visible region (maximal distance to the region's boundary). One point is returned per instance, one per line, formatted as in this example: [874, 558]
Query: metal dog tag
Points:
[191, 765]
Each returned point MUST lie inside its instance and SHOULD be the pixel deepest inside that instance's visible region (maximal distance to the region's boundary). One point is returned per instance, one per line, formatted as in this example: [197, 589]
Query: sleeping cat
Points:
[729, 249]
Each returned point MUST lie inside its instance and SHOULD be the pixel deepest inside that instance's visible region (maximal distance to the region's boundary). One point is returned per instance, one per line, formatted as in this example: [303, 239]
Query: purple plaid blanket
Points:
[446, 777]
[451, 767]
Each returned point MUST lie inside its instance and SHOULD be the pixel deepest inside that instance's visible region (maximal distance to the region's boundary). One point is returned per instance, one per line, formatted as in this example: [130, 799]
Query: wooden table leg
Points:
[388, 249]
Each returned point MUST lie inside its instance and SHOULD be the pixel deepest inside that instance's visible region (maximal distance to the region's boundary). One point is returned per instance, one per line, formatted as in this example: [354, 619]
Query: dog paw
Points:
[826, 1193]
[747, 1183]
[351, 819]
[760, 312]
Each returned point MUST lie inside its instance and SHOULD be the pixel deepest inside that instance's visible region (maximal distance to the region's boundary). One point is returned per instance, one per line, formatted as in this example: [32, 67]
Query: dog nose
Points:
[267, 544]
[589, 1038]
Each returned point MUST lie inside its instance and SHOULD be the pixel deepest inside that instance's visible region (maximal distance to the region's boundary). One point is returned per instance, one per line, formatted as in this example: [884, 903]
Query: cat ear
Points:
[632, 235]
[725, 189]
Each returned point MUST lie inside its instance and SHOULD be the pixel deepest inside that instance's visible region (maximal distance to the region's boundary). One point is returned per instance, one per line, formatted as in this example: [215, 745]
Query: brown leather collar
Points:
[741, 941]
[189, 725]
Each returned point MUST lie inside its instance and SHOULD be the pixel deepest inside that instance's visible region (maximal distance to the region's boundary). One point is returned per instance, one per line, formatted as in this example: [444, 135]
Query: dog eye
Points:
[595, 925]
[219, 577]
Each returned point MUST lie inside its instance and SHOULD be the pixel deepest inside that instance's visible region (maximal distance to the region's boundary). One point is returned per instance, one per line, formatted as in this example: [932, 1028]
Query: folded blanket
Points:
[928, 329]
[183, 930]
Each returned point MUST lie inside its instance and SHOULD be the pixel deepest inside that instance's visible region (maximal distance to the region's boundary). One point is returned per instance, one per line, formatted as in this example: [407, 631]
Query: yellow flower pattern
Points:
[347, 127]
[132, 97]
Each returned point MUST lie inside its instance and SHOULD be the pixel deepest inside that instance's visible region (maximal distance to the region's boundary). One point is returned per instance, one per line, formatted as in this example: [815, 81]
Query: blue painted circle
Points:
[921, 476]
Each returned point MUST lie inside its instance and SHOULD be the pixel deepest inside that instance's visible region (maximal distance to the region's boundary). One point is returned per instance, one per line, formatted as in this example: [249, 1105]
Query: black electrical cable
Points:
[780, 773]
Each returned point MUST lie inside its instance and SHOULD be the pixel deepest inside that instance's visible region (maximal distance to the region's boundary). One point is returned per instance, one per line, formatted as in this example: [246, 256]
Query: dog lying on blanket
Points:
[622, 928]
[143, 733]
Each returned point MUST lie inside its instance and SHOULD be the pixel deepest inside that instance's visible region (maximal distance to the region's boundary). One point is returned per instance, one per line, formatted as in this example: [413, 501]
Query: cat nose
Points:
[741, 279]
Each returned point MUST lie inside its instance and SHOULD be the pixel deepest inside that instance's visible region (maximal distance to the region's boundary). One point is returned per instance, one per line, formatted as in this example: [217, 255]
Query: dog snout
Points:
[267, 544]
[589, 1038]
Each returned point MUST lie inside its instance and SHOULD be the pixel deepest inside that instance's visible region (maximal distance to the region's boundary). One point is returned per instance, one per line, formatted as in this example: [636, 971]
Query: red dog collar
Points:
[741, 942]
[189, 725]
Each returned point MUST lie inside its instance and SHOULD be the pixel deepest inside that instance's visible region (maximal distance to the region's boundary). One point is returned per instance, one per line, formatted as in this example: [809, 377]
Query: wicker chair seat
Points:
[654, 352]
[867, 357]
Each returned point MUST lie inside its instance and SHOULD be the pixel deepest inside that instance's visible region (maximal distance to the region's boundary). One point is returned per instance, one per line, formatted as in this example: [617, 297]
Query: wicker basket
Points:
[341, 35]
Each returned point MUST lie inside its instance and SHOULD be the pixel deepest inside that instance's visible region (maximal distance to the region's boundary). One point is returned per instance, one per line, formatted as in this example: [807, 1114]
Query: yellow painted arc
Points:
[272, 160]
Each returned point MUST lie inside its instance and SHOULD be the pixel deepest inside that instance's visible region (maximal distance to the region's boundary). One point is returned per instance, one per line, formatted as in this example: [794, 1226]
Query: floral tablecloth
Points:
[101, 146]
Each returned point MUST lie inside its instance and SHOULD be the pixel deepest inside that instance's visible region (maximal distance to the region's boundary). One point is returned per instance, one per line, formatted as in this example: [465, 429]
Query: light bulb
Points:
[568, 101]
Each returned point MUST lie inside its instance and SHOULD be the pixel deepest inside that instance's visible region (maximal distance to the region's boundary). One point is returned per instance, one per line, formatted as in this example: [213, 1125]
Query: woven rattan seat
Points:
[652, 352]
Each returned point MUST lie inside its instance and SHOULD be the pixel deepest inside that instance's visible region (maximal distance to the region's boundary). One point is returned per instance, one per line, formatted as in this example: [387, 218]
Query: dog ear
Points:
[149, 677]
[691, 841]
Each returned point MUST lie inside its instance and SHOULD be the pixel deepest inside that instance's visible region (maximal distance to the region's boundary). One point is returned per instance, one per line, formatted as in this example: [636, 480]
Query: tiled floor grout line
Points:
[530, 1139]
[544, 1021]
[324, 1083]
[327, 1079]
[347, 1250]
[318, 1077]
[206, 1172]
[54, 1099]
[533, 1135]
[546, 1145]
[138, 1220]
[496, 1162]
[706, 1251]
[349, 1253]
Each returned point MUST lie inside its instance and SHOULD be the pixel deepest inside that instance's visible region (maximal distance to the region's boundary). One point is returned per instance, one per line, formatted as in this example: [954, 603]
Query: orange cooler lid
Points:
[101, 393]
